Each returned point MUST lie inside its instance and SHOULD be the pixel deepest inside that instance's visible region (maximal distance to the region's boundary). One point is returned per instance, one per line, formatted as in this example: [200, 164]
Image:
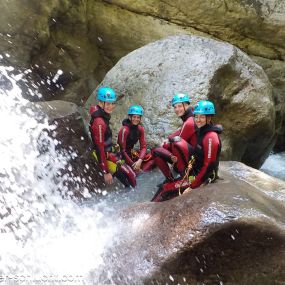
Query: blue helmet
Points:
[180, 98]
[106, 94]
[135, 110]
[204, 108]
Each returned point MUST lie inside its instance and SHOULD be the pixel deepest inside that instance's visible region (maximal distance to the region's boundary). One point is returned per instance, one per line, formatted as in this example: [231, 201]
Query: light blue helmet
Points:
[135, 110]
[204, 108]
[106, 94]
[180, 98]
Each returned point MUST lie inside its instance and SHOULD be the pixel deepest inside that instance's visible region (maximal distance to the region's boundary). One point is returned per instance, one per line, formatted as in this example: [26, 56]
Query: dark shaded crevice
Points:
[58, 50]
[224, 82]
[255, 4]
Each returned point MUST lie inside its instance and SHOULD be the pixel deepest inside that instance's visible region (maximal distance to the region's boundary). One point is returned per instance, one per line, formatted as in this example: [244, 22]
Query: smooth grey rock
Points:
[205, 69]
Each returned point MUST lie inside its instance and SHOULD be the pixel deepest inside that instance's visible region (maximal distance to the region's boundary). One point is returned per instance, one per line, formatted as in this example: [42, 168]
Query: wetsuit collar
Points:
[210, 127]
[188, 113]
[127, 122]
[104, 114]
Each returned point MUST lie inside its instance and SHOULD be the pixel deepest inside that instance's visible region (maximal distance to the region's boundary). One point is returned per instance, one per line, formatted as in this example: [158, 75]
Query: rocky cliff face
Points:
[49, 41]
[246, 24]
[66, 47]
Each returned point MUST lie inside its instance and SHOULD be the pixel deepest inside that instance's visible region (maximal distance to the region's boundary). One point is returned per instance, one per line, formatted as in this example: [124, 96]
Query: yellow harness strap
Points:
[110, 164]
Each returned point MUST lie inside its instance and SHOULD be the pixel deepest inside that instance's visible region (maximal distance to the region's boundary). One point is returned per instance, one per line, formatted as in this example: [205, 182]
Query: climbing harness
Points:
[135, 155]
[186, 176]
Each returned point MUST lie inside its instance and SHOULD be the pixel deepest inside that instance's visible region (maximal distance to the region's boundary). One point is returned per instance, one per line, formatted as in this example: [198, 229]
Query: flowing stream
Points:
[275, 165]
[45, 238]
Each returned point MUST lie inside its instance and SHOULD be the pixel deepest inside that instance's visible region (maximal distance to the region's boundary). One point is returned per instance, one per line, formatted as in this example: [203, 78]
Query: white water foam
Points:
[275, 165]
[44, 238]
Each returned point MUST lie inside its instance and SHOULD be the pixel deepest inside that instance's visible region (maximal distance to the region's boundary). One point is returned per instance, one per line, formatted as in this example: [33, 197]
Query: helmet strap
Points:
[208, 119]
[184, 107]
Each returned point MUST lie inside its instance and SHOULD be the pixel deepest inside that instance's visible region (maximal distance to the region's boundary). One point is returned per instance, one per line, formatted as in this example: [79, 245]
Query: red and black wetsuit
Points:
[206, 153]
[180, 147]
[101, 135]
[128, 136]
[188, 129]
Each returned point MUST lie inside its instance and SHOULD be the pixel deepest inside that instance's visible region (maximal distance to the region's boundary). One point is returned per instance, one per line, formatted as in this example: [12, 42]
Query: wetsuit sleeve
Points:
[98, 132]
[122, 141]
[176, 133]
[210, 146]
[167, 145]
[142, 143]
[188, 131]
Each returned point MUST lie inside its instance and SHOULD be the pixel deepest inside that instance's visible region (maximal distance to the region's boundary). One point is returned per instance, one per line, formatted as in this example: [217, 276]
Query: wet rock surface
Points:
[72, 140]
[229, 232]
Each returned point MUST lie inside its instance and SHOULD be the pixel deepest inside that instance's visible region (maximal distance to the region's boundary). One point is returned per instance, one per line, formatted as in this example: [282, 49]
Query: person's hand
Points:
[173, 158]
[137, 164]
[108, 178]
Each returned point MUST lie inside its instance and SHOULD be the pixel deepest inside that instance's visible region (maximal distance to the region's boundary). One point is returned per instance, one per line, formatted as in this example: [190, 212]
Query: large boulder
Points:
[256, 27]
[205, 69]
[229, 232]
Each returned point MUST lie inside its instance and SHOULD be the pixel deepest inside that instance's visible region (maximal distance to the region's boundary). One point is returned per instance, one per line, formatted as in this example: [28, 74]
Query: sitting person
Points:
[203, 164]
[177, 151]
[208, 148]
[130, 133]
[101, 135]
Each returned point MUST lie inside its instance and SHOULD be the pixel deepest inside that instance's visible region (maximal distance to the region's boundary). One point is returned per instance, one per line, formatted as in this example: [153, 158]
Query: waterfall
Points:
[44, 236]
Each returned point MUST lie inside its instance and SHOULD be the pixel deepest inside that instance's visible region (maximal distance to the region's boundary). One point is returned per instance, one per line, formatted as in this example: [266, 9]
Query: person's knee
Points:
[181, 149]
[129, 174]
[155, 152]
[161, 153]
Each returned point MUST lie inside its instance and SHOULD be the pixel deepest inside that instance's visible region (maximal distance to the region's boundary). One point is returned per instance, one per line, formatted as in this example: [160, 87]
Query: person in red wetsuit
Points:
[177, 151]
[101, 135]
[130, 133]
[208, 147]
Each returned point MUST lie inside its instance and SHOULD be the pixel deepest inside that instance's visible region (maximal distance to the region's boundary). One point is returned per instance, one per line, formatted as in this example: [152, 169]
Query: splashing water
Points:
[275, 165]
[44, 238]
